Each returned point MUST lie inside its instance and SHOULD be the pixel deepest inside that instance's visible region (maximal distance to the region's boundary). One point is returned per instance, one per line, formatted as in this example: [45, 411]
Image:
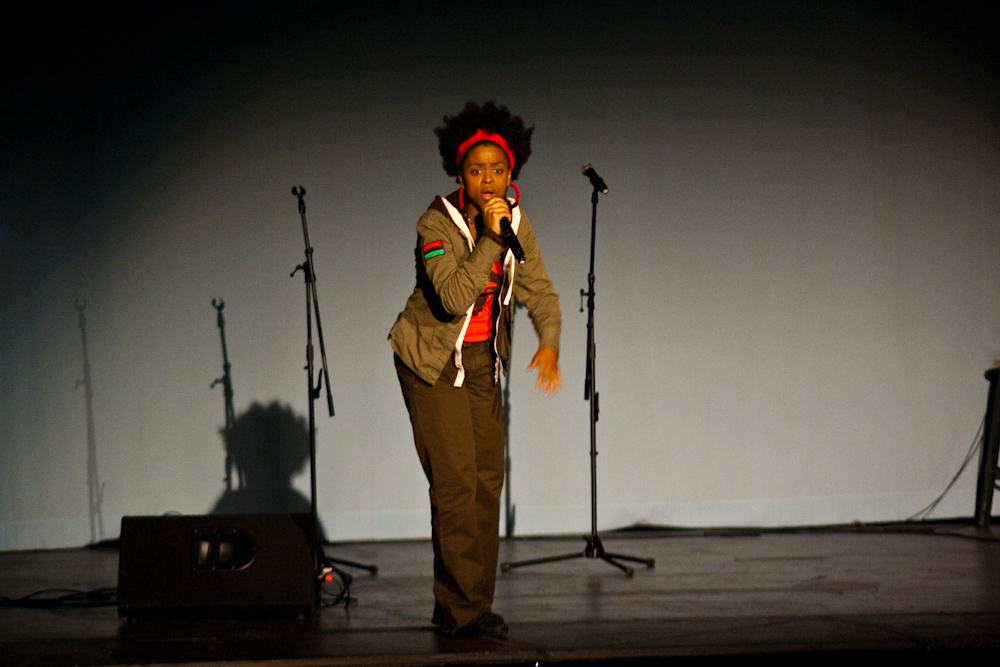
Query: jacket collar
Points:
[448, 206]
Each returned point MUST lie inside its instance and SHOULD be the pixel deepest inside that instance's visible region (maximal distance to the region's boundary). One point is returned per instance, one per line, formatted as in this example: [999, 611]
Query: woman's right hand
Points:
[495, 210]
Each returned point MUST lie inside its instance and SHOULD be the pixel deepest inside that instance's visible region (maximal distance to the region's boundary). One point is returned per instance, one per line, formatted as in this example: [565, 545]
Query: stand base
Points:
[594, 549]
[372, 569]
[328, 568]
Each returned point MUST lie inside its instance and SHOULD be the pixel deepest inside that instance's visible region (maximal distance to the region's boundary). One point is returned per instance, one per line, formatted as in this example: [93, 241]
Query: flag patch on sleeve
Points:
[433, 249]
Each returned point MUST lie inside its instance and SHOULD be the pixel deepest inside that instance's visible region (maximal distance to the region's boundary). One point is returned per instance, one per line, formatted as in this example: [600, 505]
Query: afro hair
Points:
[496, 119]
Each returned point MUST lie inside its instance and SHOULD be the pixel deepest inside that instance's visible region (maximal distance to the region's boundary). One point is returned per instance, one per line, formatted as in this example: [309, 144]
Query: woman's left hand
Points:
[547, 361]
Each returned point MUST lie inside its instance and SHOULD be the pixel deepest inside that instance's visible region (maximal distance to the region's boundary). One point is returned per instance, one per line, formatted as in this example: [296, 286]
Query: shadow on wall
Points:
[268, 445]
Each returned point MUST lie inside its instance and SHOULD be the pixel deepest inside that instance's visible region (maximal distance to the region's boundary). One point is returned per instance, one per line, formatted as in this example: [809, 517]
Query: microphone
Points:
[508, 235]
[595, 180]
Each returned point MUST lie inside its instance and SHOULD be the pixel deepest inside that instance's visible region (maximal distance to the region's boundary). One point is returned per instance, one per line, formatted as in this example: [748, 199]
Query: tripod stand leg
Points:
[593, 549]
[372, 569]
[614, 558]
[506, 567]
[649, 562]
[624, 568]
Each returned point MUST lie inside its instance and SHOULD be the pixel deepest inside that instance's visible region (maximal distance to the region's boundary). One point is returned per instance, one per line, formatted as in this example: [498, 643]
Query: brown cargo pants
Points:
[459, 434]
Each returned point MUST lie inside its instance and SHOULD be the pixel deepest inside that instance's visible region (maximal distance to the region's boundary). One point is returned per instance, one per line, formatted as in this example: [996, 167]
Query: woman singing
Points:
[453, 339]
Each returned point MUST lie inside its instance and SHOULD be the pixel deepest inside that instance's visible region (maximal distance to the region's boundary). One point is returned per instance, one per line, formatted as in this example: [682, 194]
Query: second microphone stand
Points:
[593, 548]
[312, 303]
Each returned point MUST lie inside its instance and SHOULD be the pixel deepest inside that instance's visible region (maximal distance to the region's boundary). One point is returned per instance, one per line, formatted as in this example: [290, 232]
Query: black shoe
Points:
[484, 625]
[441, 618]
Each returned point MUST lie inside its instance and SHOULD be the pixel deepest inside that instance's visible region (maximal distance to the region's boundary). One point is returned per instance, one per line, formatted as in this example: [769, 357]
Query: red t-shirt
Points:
[481, 323]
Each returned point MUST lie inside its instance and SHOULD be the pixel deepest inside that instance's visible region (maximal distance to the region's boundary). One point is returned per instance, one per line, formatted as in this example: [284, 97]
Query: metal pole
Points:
[95, 490]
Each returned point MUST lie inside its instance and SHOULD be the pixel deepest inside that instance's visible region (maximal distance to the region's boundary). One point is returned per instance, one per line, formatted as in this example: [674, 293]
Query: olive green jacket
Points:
[452, 271]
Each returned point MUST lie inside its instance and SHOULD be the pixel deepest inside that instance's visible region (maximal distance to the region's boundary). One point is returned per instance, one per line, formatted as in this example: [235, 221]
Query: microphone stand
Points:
[312, 303]
[593, 548]
[509, 507]
[227, 389]
[95, 489]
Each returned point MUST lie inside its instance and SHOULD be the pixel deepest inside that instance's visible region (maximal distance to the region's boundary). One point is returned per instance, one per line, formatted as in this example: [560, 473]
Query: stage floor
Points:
[712, 596]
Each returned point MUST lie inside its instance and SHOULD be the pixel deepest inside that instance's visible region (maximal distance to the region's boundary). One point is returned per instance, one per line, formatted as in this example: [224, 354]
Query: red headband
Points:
[483, 135]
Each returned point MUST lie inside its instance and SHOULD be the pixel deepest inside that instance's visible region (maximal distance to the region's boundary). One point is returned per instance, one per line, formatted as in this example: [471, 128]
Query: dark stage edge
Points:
[713, 597]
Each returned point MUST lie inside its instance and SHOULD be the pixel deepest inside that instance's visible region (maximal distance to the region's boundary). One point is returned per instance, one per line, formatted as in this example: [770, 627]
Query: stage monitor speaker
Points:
[220, 564]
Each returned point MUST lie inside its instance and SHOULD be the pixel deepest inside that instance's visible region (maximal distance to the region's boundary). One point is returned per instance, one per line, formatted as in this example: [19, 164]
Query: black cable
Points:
[328, 599]
[977, 443]
[98, 597]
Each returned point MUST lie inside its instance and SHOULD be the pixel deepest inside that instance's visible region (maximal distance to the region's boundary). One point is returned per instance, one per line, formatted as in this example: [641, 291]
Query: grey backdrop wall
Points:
[797, 279]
